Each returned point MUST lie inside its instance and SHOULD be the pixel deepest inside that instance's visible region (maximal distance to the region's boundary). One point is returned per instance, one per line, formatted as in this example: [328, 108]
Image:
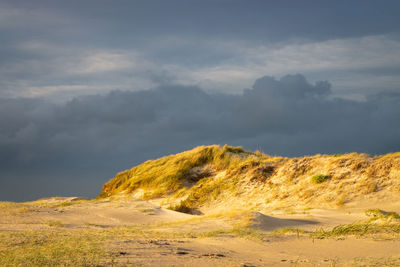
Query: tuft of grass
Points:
[380, 222]
[380, 214]
[159, 192]
[247, 232]
[288, 230]
[55, 223]
[358, 229]
[319, 178]
[181, 207]
[340, 201]
[71, 203]
[205, 190]
[148, 211]
[235, 150]
[368, 187]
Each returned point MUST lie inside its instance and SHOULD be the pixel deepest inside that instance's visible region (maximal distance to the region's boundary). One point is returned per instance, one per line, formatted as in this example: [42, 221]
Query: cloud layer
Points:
[75, 146]
[59, 49]
[60, 72]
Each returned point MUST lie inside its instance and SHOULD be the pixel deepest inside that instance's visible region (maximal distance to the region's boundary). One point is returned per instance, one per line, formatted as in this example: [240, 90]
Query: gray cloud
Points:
[62, 49]
[74, 147]
[268, 20]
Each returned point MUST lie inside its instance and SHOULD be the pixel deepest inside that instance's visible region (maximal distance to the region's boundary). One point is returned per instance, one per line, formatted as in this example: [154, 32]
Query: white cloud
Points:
[105, 61]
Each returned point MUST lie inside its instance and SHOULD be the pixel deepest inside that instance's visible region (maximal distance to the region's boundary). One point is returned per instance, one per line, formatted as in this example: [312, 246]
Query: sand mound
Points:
[214, 177]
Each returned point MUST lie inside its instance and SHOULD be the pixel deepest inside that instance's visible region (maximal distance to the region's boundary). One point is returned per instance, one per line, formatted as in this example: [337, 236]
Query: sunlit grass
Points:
[50, 248]
[380, 224]
[191, 180]
[55, 223]
[169, 174]
[174, 176]
[12, 208]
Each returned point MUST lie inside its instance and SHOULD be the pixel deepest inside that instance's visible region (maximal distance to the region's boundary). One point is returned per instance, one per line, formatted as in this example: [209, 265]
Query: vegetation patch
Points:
[207, 175]
[71, 203]
[171, 173]
[12, 208]
[288, 230]
[380, 223]
[319, 178]
[376, 214]
[55, 223]
[235, 150]
[50, 248]
[358, 229]
[182, 207]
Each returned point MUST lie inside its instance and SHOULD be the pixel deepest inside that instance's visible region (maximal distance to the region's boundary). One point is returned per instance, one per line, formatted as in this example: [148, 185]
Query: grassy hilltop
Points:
[215, 177]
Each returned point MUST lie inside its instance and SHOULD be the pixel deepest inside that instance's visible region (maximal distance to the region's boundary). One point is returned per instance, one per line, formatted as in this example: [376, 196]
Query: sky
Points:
[89, 88]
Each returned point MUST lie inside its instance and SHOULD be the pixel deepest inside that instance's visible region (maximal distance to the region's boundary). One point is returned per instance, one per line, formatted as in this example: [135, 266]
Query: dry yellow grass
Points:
[213, 176]
[50, 248]
[12, 208]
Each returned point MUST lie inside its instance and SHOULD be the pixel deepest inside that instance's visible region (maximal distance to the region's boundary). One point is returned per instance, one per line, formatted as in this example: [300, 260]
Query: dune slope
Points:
[214, 177]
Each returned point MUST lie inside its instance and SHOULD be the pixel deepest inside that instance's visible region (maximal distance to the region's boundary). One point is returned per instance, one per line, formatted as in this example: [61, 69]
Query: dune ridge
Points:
[216, 177]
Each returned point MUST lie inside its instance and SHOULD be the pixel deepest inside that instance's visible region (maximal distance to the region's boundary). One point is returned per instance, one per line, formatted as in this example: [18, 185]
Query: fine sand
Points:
[149, 235]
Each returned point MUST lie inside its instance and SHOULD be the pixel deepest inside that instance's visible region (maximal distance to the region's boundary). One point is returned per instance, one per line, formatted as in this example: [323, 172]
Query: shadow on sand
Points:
[268, 223]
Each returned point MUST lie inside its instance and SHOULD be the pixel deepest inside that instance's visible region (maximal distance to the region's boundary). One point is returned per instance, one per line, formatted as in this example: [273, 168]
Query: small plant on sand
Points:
[340, 201]
[380, 223]
[53, 223]
[288, 230]
[235, 150]
[358, 229]
[380, 214]
[182, 207]
[319, 178]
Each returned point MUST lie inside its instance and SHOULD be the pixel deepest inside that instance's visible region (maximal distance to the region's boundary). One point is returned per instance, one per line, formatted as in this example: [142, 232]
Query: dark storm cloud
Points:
[268, 20]
[61, 49]
[101, 134]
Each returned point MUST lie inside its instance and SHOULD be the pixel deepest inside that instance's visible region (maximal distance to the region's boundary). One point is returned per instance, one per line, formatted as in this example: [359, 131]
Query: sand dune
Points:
[218, 206]
[209, 178]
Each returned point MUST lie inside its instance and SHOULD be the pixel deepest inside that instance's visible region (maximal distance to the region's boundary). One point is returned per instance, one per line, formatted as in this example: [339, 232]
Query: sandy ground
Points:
[224, 249]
